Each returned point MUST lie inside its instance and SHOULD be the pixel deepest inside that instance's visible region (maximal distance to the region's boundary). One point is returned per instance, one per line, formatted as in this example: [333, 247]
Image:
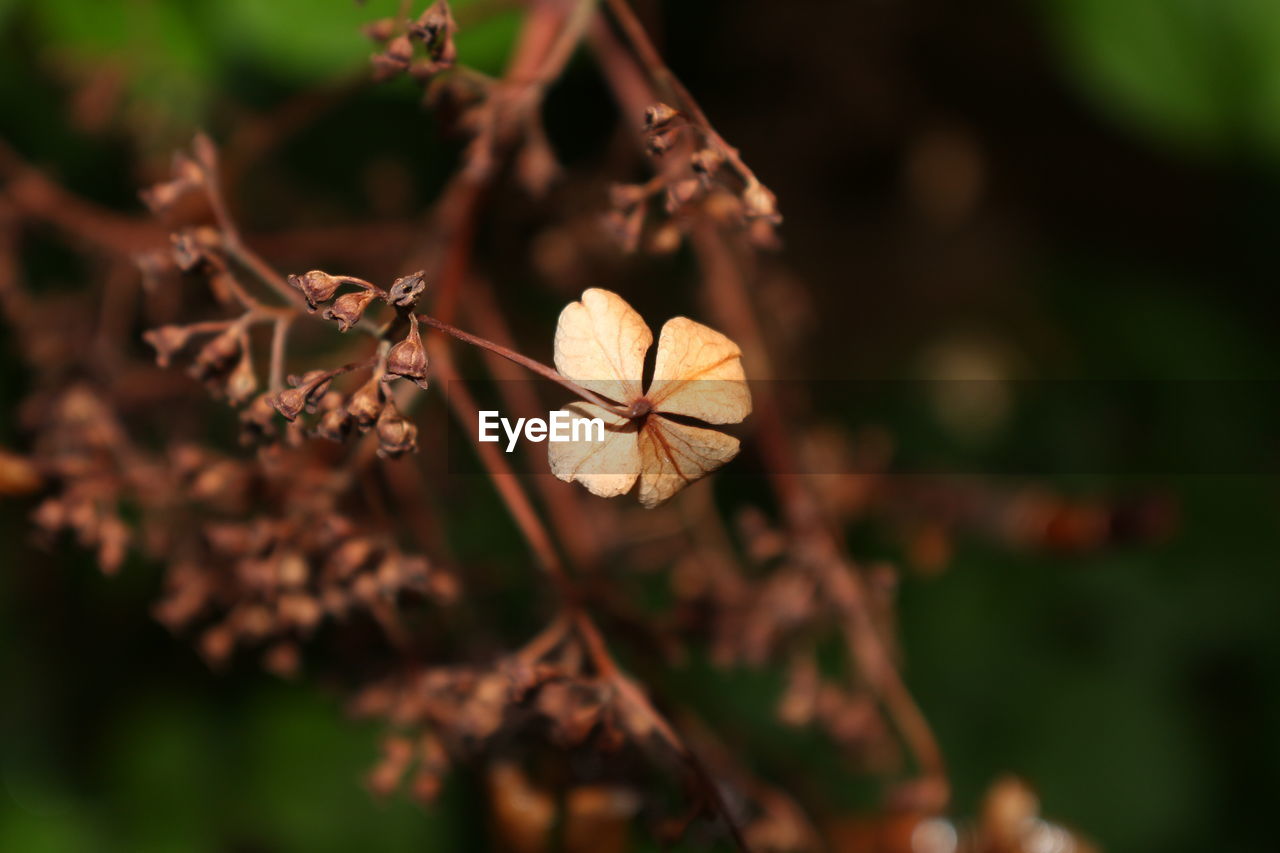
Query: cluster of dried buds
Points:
[699, 176]
[270, 580]
[369, 406]
[463, 710]
[433, 30]
[82, 447]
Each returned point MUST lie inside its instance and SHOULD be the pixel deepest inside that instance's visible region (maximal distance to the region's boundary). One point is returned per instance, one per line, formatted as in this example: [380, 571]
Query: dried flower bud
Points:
[706, 161]
[300, 610]
[384, 67]
[243, 381]
[760, 203]
[351, 556]
[161, 197]
[435, 27]
[681, 193]
[625, 195]
[217, 355]
[408, 358]
[257, 420]
[316, 286]
[348, 308]
[366, 404]
[665, 239]
[400, 49]
[380, 30]
[660, 143]
[658, 116]
[397, 435]
[335, 425]
[305, 391]
[167, 341]
[406, 289]
[186, 251]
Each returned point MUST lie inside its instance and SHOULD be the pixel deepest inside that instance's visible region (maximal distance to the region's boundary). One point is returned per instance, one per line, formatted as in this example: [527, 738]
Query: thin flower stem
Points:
[279, 341]
[669, 86]
[524, 361]
[232, 243]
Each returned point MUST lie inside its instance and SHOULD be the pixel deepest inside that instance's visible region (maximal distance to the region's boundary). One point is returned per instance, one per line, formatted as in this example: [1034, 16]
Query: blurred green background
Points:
[1068, 188]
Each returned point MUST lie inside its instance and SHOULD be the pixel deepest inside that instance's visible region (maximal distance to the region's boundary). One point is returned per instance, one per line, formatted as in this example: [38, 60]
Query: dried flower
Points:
[216, 357]
[366, 404]
[257, 420]
[408, 358]
[658, 116]
[305, 391]
[243, 381]
[759, 202]
[186, 252]
[348, 308]
[335, 425]
[317, 286]
[435, 27]
[405, 290]
[601, 344]
[397, 435]
[168, 341]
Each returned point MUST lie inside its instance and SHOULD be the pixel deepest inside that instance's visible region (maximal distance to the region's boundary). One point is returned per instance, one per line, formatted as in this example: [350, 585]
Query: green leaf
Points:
[1201, 75]
[157, 46]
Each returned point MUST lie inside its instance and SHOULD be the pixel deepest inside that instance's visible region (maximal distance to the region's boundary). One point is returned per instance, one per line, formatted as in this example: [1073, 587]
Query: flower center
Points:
[640, 409]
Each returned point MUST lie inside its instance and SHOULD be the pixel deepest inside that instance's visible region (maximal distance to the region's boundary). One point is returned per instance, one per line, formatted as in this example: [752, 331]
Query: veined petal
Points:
[698, 373]
[601, 343]
[673, 455]
[607, 468]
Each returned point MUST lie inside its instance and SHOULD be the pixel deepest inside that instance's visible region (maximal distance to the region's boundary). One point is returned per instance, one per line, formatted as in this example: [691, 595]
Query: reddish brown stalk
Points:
[524, 361]
[562, 503]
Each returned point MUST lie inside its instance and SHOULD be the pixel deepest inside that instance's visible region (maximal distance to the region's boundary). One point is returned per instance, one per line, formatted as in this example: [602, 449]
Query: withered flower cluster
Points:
[325, 518]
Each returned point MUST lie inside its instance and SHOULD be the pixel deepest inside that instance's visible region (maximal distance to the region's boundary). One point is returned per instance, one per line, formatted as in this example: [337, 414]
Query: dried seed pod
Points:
[380, 30]
[366, 404]
[706, 161]
[217, 355]
[758, 202]
[167, 341]
[317, 286]
[348, 308]
[257, 420]
[243, 381]
[408, 358]
[681, 193]
[397, 435]
[406, 289]
[400, 49]
[186, 252]
[659, 115]
[335, 425]
[305, 391]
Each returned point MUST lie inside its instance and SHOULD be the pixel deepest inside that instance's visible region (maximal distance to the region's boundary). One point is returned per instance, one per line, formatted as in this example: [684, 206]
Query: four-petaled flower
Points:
[601, 344]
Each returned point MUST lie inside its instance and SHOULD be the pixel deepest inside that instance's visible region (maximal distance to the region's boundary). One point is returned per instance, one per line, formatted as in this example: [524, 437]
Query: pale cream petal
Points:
[698, 373]
[601, 343]
[608, 468]
[673, 455]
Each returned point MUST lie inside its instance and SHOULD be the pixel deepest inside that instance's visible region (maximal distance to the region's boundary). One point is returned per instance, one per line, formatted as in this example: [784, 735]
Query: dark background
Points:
[1080, 189]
